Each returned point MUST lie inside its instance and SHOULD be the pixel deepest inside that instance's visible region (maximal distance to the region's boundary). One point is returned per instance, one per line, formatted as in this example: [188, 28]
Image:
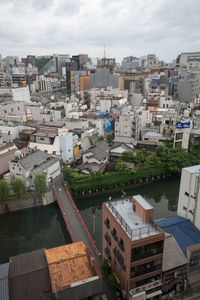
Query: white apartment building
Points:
[26, 167]
[189, 195]
[125, 129]
[17, 94]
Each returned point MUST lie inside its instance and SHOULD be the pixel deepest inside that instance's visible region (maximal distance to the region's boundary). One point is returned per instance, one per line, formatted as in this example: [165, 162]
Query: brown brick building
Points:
[134, 246]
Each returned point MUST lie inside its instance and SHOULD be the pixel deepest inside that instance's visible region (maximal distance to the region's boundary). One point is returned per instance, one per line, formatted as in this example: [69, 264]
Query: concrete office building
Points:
[133, 244]
[130, 62]
[188, 59]
[133, 82]
[189, 195]
[102, 79]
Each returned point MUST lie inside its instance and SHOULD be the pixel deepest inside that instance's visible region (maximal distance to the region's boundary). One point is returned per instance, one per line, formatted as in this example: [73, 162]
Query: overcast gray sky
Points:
[127, 27]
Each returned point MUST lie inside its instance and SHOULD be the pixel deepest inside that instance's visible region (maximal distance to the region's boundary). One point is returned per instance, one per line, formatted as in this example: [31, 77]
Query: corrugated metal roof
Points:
[33, 159]
[28, 276]
[4, 290]
[184, 232]
[45, 165]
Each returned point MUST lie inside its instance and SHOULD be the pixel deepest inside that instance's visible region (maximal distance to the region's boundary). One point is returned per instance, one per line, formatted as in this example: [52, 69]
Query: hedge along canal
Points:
[162, 195]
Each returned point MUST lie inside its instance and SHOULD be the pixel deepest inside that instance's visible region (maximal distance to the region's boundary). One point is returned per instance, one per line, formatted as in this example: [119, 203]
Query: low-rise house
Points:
[29, 277]
[74, 273]
[32, 164]
[188, 238]
[7, 153]
[117, 149]
[96, 154]
[174, 267]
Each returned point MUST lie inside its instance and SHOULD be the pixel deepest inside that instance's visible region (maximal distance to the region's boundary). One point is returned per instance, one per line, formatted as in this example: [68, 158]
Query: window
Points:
[194, 261]
[169, 277]
[41, 139]
[179, 136]
[114, 234]
[121, 244]
[184, 208]
[186, 194]
[54, 152]
[134, 206]
[178, 144]
[107, 223]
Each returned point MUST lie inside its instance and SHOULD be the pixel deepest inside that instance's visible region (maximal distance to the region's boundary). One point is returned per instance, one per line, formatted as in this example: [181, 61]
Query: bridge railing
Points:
[83, 223]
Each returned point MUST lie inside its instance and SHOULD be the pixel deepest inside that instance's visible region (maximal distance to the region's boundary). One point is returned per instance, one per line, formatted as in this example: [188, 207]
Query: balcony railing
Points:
[108, 239]
[119, 258]
[133, 233]
[145, 255]
[145, 271]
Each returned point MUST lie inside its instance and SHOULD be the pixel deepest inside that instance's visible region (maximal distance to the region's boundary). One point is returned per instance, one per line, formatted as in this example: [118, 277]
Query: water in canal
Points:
[162, 195]
[31, 229]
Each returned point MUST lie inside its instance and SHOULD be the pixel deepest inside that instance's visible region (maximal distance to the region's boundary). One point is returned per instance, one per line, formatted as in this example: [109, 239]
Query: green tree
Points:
[119, 166]
[67, 172]
[113, 281]
[128, 156]
[40, 183]
[105, 265]
[4, 192]
[19, 187]
[109, 138]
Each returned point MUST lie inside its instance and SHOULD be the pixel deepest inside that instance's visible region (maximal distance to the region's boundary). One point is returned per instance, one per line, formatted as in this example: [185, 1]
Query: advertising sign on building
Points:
[182, 125]
[18, 70]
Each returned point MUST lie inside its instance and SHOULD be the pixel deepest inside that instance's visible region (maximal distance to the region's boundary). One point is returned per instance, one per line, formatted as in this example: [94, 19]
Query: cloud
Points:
[129, 27]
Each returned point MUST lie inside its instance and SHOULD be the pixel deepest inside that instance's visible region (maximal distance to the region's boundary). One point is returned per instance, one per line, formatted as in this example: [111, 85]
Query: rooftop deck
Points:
[133, 226]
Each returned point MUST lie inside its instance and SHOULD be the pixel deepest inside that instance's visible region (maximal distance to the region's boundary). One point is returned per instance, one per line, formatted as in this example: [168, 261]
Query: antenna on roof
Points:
[124, 193]
[104, 51]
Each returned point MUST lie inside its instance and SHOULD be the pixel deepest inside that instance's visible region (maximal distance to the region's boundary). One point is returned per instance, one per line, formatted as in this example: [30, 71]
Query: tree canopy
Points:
[19, 187]
[4, 192]
[40, 183]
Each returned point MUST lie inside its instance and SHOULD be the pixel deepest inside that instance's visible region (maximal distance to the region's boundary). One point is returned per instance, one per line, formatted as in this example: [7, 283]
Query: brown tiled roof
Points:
[68, 264]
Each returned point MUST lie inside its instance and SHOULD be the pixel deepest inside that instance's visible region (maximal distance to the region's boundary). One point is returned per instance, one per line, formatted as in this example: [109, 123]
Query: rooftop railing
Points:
[136, 232]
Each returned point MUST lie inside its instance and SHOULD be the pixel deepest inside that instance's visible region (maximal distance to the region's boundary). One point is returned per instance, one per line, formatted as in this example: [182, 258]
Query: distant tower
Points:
[104, 51]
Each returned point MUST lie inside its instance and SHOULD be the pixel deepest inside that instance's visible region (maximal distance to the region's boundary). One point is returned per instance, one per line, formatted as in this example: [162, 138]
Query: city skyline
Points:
[136, 28]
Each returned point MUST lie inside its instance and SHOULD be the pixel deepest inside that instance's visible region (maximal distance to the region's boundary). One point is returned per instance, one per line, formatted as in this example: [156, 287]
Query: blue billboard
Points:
[182, 125]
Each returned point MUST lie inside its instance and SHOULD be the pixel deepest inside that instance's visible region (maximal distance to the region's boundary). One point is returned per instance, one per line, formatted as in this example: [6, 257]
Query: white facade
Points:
[189, 195]
[66, 147]
[21, 94]
[105, 105]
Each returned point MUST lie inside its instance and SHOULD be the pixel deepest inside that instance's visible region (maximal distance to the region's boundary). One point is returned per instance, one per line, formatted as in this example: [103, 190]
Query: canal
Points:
[31, 229]
[43, 227]
[162, 195]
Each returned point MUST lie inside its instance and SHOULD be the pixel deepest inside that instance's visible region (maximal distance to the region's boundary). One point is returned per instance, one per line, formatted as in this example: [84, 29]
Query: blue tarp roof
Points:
[4, 291]
[184, 232]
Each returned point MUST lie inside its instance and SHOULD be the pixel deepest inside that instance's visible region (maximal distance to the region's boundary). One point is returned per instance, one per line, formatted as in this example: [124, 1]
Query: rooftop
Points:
[45, 165]
[33, 159]
[45, 133]
[131, 223]
[4, 290]
[184, 232]
[173, 256]
[193, 169]
[68, 264]
[29, 277]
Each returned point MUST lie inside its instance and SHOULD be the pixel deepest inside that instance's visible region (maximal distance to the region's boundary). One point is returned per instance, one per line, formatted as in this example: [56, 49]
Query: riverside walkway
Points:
[78, 230]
